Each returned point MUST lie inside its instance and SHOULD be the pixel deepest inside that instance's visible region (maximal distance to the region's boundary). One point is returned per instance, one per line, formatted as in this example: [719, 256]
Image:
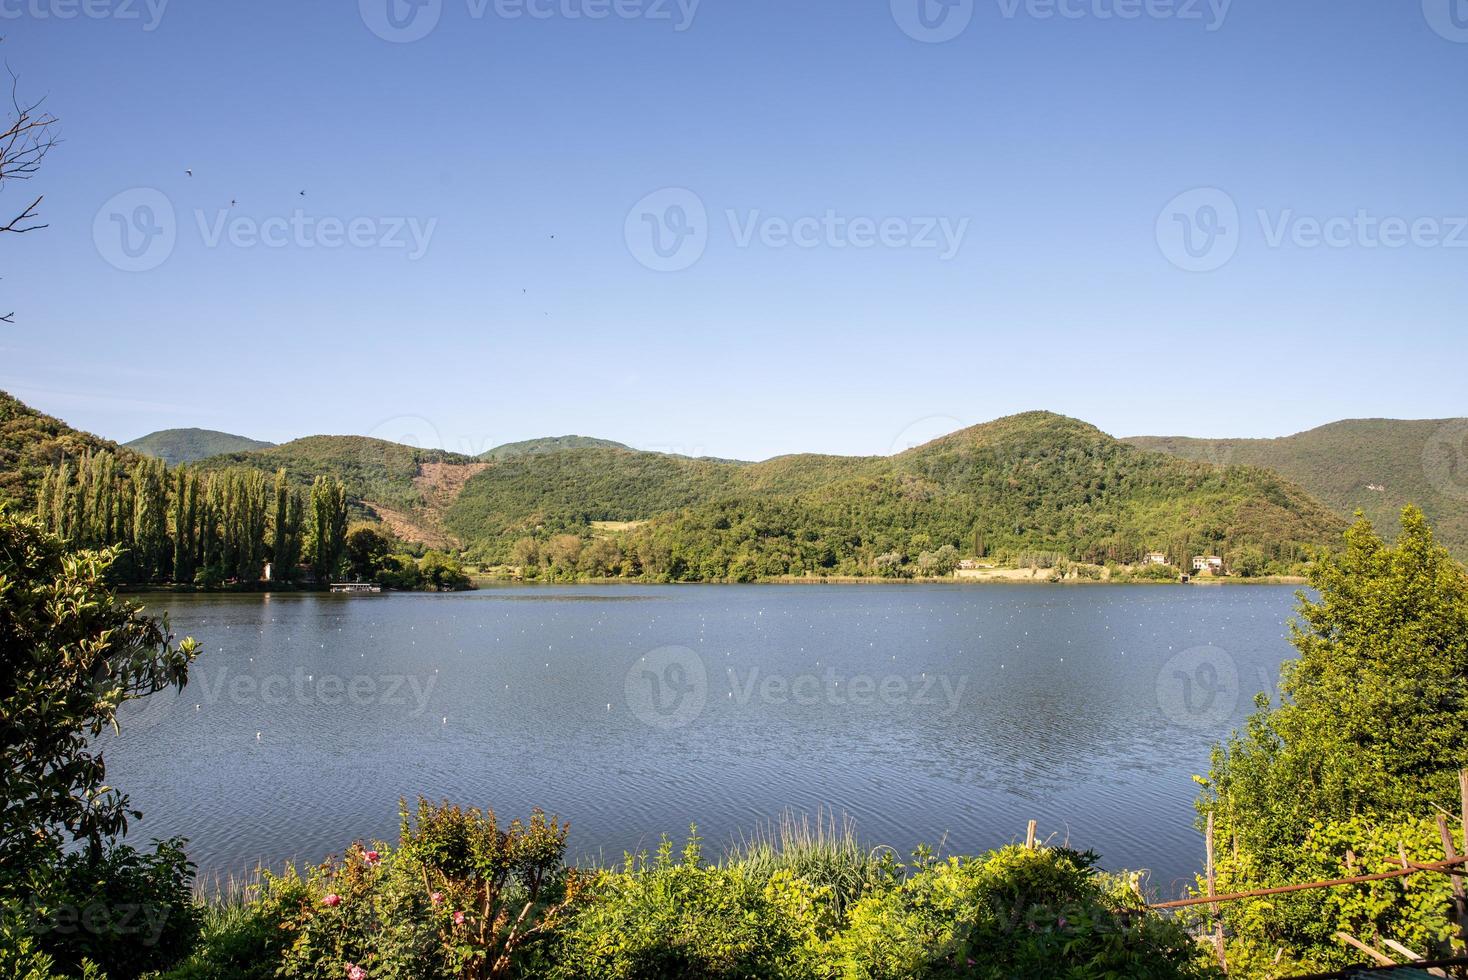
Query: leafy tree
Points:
[328, 527]
[1373, 716]
[441, 572]
[285, 539]
[366, 548]
[1248, 561]
[71, 653]
[1364, 746]
[150, 521]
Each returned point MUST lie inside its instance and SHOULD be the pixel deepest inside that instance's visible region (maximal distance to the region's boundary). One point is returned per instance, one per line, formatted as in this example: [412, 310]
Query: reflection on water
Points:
[926, 713]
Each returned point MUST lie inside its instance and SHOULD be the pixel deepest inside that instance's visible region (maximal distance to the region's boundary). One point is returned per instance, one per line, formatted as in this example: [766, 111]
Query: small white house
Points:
[1211, 563]
[1155, 558]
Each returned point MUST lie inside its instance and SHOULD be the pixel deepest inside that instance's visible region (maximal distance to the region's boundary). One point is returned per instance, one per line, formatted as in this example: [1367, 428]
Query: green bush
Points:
[459, 898]
[1409, 910]
[130, 912]
[22, 959]
[1013, 914]
[686, 919]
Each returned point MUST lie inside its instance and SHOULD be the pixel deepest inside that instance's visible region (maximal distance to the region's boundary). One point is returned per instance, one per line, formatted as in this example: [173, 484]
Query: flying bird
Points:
[189, 172]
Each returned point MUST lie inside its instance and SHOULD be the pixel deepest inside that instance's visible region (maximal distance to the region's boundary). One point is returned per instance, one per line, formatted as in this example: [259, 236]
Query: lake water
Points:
[939, 714]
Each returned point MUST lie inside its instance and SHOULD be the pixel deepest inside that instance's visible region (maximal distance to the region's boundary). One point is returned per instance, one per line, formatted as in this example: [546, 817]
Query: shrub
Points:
[129, 912]
[1013, 914]
[686, 919]
[460, 898]
[1409, 910]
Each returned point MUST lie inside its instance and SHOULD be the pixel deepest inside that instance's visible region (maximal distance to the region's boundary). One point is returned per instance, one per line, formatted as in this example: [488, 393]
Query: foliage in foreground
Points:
[71, 653]
[1359, 755]
[461, 898]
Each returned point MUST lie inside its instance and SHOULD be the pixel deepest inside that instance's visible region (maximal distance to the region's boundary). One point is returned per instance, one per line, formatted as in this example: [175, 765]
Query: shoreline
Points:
[483, 581]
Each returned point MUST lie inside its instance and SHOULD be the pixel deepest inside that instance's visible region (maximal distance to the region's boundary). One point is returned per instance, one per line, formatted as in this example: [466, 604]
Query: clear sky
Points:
[534, 220]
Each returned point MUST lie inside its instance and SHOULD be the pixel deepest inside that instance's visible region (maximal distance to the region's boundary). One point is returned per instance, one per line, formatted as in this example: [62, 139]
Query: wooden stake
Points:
[1463, 805]
[1375, 954]
[1030, 836]
[1213, 907]
[1460, 904]
[1413, 957]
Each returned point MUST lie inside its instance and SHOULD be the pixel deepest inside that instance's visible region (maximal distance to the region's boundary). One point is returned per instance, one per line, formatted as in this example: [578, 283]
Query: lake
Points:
[943, 714]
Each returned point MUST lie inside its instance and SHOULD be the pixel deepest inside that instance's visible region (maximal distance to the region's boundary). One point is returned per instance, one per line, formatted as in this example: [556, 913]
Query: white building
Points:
[1155, 558]
[1212, 563]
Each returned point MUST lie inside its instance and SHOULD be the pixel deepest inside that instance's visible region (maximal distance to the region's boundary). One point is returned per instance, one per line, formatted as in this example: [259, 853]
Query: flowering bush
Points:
[459, 897]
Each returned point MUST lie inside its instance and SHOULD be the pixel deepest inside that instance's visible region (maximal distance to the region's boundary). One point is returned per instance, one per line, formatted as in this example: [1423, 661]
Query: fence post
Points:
[1213, 906]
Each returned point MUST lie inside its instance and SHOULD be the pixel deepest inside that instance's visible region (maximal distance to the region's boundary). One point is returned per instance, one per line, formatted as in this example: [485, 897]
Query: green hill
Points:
[31, 441]
[175, 446]
[549, 444]
[371, 469]
[1376, 466]
[1036, 482]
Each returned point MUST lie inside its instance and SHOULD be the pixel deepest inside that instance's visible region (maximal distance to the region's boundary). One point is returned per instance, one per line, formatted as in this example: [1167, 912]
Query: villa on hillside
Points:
[1155, 558]
[1211, 563]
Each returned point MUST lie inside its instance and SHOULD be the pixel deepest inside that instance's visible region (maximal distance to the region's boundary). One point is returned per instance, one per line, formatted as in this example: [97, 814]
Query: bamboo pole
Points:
[1460, 906]
[1439, 866]
[1213, 908]
[1375, 954]
[1411, 955]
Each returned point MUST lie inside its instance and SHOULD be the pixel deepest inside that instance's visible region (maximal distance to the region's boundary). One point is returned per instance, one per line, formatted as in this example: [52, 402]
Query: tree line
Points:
[187, 526]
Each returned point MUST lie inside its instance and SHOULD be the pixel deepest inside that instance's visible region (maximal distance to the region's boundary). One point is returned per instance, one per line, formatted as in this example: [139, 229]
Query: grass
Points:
[820, 850]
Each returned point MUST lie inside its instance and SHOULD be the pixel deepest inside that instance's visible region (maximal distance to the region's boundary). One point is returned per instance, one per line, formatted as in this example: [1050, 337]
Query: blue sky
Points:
[1136, 196]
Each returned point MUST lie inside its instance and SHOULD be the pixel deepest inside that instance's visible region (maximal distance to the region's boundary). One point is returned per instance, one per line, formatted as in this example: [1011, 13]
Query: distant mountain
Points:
[1036, 485]
[31, 441]
[549, 444]
[175, 446]
[1036, 482]
[1376, 466]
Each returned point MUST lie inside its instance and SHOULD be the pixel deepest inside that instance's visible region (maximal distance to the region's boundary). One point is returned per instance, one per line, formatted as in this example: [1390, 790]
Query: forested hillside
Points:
[175, 446]
[1036, 488]
[1376, 466]
[30, 442]
[549, 444]
[1033, 483]
[371, 469]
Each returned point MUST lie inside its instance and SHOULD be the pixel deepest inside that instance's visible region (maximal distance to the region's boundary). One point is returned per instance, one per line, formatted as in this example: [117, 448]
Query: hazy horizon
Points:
[422, 433]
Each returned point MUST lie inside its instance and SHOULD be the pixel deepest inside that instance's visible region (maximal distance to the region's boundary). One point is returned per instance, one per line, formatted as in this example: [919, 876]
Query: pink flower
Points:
[332, 901]
[355, 972]
[1061, 922]
[436, 898]
[372, 857]
[458, 918]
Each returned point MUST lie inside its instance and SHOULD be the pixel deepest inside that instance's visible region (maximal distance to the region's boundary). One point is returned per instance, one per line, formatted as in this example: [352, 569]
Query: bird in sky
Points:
[189, 172]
